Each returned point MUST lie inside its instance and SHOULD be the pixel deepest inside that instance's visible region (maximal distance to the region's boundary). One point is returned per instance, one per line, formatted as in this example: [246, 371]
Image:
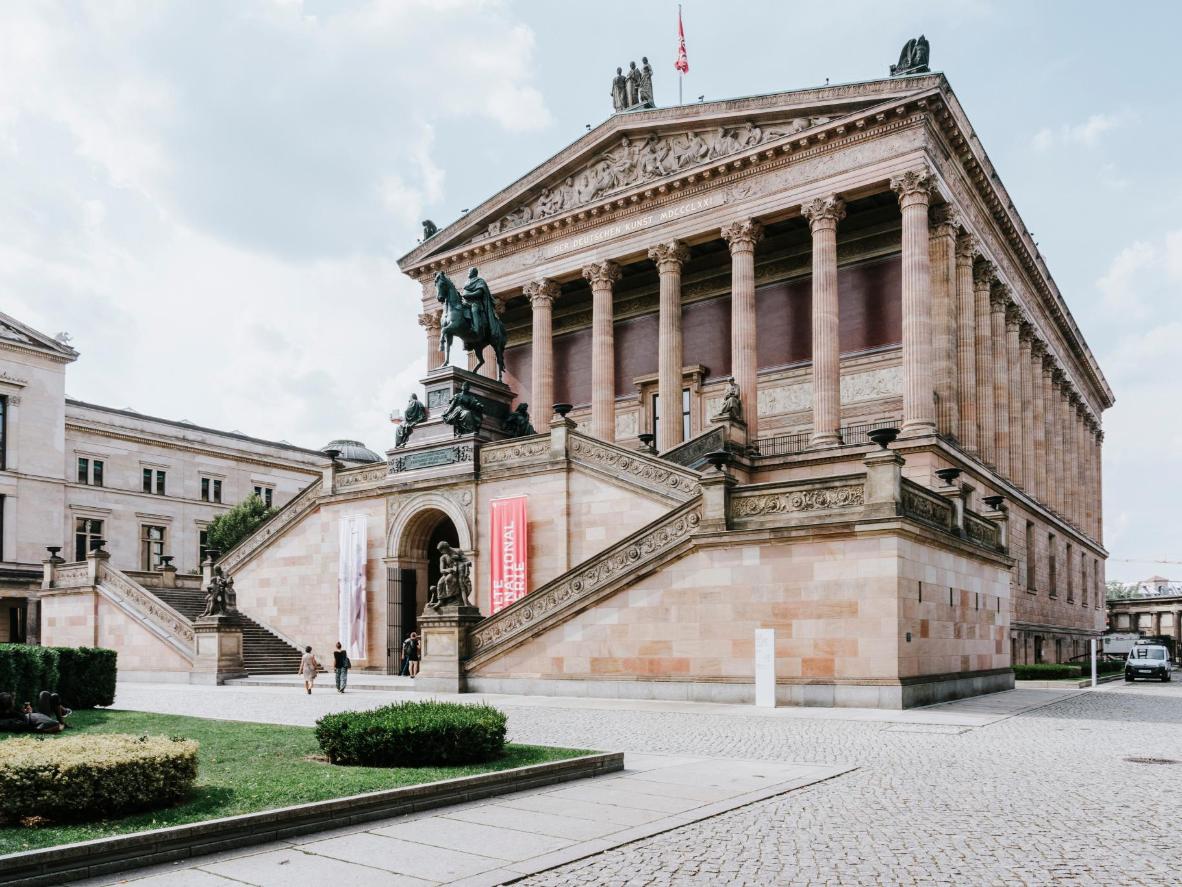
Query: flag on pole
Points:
[682, 63]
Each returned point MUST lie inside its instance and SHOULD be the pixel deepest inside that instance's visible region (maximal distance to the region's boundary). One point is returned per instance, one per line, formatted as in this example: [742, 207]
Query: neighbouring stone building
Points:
[849, 255]
[74, 473]
[1157, 616]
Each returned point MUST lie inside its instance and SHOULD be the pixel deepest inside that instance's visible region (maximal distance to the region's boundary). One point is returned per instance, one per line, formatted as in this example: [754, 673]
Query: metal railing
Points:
[797, 442]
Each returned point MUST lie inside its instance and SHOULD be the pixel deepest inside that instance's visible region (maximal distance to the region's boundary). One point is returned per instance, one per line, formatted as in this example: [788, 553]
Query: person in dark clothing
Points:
[341, 664]
[410, 655]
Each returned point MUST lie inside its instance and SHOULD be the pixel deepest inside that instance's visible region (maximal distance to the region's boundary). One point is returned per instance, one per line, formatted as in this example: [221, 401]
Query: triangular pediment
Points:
[636, 149]
[14, 333]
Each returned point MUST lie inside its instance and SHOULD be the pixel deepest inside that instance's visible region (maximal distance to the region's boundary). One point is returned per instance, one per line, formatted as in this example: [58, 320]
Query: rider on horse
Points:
[479, 300]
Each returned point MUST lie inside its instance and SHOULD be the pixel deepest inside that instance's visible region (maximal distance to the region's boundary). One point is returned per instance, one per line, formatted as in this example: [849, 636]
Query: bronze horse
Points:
[457, 321]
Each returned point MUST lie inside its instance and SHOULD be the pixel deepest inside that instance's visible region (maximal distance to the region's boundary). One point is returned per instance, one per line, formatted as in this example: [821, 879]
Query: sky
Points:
[210, 196]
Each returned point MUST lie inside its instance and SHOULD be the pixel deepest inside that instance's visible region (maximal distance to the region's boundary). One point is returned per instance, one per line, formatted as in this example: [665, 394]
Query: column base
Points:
[824, 439]
[917, 429]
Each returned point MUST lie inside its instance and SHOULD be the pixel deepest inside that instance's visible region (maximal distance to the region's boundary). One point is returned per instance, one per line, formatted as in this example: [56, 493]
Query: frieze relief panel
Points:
[634, 161]
[627, 425]
[797, 501]
[526, 452]
[872, 385]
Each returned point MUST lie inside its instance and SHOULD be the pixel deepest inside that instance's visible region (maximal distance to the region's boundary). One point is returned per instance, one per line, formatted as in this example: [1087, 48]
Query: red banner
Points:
[510, 551]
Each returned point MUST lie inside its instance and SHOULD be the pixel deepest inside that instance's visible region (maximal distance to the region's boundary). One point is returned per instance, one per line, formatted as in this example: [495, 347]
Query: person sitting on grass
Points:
[50, 719]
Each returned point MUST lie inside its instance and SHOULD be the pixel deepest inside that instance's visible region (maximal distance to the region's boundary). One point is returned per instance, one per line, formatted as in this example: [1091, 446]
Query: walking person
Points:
[341, 664]
[308, 668]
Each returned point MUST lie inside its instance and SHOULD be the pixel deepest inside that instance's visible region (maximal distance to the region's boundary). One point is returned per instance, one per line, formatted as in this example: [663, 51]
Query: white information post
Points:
[765, 667]
[1093, 662]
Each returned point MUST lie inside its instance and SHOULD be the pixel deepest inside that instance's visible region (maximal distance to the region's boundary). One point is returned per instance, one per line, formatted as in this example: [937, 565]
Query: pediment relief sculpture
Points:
[635, 160]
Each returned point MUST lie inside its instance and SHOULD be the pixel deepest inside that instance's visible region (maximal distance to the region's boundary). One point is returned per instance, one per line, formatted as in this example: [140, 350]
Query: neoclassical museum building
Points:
[847, 255]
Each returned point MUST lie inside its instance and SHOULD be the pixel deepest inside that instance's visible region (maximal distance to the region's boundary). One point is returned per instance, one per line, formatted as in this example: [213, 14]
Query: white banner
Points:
[351, 602]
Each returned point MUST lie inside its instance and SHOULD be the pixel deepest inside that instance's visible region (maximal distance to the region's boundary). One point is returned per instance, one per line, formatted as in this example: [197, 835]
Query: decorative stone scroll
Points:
[647, 472]
[449, 455]
[926, 506]
[633, 161]
[585, 582]
[512, 454]
[277, 523]
[695, 449]
[164, 616]
[799, 500]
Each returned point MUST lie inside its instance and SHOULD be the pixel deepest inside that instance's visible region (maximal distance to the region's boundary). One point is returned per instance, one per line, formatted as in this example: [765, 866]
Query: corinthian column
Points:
[982, 285]
[1025, 383]
[541, 295]
[1001, 379]
[1049, 395]
[1059, 438]
[669, 258]
[966, 364]
[1039, 422]
[741, 237]
[429, 321]
[823, 214]
[1014, 393]
[1099, 457]
[603, 276]
[914, 188]
[945, 228]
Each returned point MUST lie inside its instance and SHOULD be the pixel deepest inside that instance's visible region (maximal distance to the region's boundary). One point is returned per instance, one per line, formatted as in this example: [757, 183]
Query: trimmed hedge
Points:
[93, 776]
[413, 734]
[83, 676]
[1046, 671]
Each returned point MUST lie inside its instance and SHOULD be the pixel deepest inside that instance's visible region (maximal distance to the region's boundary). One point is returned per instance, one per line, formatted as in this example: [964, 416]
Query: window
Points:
[1030, 562]
[685, 413]
[1070, 575]
[211, 489]
[1053, 580]
[1099, 580]
[151, 546]
[157, 476]
[88, 535]
[1058, 649]
[1083, 580]
[264, 493]
[202, 544]
[90, 471]
[3, 432]
[1, 529]
[1037, 649]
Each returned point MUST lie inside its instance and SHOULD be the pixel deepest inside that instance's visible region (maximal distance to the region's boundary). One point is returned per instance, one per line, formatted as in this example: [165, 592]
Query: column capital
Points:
[967, 246]
[1014, 313]
[999, 295]
[742, 234]
[915, 186]
[1037, 346]
[1048, 360]
[669, 256]
[541, 292]
[945, 220]
[984, 273]
[1026, 330]
[430, 320]
[823, 212]
[601, 274]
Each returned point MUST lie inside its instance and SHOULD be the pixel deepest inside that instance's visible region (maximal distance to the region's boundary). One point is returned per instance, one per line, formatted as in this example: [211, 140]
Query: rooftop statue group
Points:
[455, 580]
[913, 59]
[634, 89]
[470, 315]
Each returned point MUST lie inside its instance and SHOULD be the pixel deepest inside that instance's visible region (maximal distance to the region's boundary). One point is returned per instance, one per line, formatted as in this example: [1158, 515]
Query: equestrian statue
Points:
[471, 316]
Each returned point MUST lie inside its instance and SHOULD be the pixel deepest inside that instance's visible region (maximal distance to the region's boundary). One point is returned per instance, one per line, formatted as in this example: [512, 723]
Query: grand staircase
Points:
[262, 651]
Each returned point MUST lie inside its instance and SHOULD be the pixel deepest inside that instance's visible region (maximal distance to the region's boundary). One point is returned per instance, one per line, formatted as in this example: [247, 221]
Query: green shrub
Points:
[1105, 666]
[93, 776]
[86, 676]
[1046, 671]
[228, 529]
[413, 734]
[83, 676]
[27, 670]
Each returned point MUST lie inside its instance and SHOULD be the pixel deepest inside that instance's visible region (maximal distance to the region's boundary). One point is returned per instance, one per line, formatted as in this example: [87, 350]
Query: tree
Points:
[1119, 591]
[227, 530]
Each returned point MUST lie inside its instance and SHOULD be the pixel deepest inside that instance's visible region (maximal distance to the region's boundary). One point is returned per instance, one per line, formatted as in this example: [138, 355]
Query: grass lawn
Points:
[244, 768]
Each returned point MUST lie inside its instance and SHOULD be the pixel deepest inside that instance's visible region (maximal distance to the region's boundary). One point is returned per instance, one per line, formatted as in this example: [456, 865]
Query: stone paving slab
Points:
[493, 842]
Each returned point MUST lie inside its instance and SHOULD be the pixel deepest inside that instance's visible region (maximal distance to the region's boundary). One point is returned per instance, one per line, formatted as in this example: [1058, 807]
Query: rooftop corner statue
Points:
[914, 57]
[471, 315]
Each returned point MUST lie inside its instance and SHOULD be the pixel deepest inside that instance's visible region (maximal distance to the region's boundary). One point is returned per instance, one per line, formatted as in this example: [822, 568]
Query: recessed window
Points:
[3, 432]
[1070, 576]
[264, 493]
[151, 546]
[211, 489]
[154, 481]
[88, 534]
[1052, 567]
[685, 414]
[202, 544]
[90, 471]
[1031, 570]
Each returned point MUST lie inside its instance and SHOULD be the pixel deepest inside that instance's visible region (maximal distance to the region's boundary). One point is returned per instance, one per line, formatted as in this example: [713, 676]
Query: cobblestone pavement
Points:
[1036, 798]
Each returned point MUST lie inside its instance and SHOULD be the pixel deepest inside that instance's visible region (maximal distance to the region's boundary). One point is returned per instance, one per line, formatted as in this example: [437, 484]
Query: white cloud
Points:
[210, 197]
[1087, 134]
[1122, 284]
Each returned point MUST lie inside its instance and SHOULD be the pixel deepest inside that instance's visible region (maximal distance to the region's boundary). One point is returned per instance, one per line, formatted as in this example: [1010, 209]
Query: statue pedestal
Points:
[445, 646]
[441, 385]
[219, 650]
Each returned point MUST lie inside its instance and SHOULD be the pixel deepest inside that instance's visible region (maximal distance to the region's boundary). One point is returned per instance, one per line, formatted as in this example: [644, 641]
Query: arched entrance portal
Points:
[410, 574]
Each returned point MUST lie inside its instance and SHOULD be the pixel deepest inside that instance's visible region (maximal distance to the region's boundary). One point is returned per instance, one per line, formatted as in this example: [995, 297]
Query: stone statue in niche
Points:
[914, 57]
[465, 412]
[732, 403]
[517, 423]
[415, 414]
[455, 580]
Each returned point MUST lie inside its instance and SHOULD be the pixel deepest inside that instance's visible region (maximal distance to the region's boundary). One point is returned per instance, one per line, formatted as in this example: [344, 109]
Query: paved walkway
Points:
[500, 840]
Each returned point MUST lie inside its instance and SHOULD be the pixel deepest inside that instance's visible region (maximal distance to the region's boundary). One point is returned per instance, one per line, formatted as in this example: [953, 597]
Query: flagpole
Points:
[680, 73]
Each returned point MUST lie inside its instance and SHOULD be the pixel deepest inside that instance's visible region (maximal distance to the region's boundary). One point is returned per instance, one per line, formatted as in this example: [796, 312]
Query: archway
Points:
[412, 570]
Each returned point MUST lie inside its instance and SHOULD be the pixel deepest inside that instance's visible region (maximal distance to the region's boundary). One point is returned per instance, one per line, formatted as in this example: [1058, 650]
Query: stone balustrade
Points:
[278, 522]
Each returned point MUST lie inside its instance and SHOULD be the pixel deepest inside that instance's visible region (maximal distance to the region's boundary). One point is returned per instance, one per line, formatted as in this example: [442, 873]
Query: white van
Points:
[1148, 661]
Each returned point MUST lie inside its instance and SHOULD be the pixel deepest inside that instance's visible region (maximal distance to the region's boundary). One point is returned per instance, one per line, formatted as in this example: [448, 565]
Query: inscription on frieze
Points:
[637, 223]
[430, 459]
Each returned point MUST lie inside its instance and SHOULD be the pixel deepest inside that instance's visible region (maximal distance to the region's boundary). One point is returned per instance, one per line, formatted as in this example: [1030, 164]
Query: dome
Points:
[352, 451]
